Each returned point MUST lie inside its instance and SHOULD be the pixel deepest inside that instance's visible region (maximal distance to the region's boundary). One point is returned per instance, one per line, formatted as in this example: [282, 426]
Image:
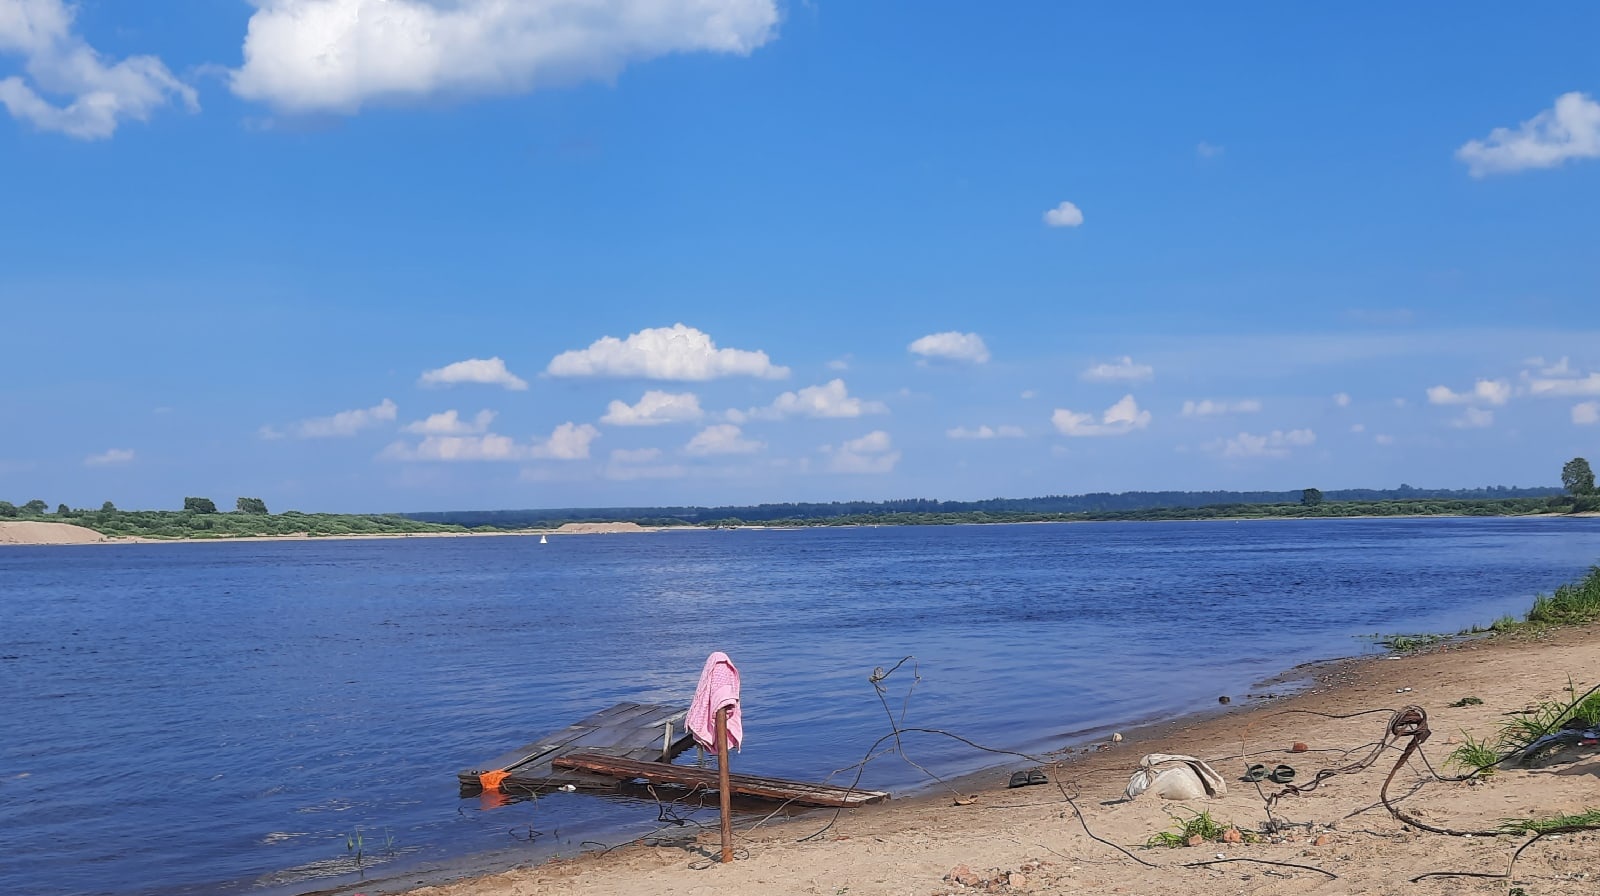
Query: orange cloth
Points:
[491, 780]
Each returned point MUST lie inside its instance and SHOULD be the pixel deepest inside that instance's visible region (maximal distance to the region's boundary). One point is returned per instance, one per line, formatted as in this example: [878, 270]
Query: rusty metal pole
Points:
[723, 785]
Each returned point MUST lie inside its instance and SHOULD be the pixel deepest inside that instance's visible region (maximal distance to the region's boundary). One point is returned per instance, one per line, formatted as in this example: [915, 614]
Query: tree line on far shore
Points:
[200, 518]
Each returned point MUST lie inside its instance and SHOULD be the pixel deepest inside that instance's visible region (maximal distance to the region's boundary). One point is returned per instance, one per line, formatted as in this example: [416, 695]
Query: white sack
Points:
[1175, 777]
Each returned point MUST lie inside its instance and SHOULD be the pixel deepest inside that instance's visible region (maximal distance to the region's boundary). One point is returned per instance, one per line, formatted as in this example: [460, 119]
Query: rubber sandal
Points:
[1256, 772]
[1018, 779]
[1283, 774]
[1037, 777]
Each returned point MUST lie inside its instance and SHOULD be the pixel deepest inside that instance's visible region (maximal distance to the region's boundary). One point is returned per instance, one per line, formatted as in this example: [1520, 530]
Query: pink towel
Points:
[719, 687]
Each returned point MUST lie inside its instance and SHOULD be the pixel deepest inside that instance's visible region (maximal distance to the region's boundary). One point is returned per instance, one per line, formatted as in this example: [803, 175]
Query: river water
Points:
[206, 718]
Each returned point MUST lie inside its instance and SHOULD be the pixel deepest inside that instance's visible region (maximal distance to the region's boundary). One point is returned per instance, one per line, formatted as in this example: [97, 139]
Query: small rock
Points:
[1224, 699]
[1232, 835]
[1322, 840]
[1017, 879]
[1195, 840]
[1116, 737]
[963, 875]
[1299, 747]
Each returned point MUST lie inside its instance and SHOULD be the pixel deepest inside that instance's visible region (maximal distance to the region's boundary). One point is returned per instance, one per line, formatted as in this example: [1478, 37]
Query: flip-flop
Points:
[1256, 772]
[1018, 779]
[1037, 777]
[1283, 774]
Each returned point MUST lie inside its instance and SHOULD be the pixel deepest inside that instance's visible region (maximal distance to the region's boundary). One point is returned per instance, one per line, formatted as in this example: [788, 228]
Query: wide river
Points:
[226, 718]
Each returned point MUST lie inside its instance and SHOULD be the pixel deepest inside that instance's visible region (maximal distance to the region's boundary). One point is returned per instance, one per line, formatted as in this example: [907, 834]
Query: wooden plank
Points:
[632, 730]
[797, 792]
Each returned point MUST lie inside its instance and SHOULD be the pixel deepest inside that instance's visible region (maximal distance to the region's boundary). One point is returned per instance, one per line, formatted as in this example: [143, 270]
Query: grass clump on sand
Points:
[1198, 824]
[1570, 604]
[1474, 756]
[1589, 818]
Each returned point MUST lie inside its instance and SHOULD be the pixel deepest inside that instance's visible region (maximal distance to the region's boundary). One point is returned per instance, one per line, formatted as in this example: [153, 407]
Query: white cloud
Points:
[485, 447]
[831, 399]
[1119, 419]
[839, 364]
[1274, 444]
[1064, 215]
[99, 94]
[723, 438]
[1586, 413]
[1589, 385]
[1123, 370]
[569, 441]
[1342, 399]
[986, 432]
[1569, 130]
[337, 55]
[1494, 392]
[1473, 418]
[872, 453]
[1209, 408]
[118, 456]
[1561, 368]
[449, 423]
[340, 425]
[654, 409]
[485, 371]
[664, 353]
[952, 346]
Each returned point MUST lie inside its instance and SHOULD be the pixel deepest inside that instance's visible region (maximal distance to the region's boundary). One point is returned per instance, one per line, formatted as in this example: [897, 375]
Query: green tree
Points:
[108, 507]
[63, 510]
[8, 509]
[251, 505]
[1311, 497]
[35, 507]
[1577, 477]
[200, 505]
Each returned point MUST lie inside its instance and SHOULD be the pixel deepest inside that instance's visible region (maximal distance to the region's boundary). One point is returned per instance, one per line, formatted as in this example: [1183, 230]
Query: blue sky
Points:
[374, 255]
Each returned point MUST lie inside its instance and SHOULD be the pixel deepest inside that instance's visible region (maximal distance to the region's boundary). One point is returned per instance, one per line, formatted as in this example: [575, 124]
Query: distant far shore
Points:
[30, 533]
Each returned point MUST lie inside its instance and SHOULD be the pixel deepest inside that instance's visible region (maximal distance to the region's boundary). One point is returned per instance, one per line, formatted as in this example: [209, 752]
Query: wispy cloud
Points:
[569, 441]
[1122, 370]
[872, 453]
[1119, 419]
[1473, 418]
[655, 408]
[1567, 131]
[99, 94]
[336, 426]
[1586, 413]
[483, 371]
[1342, 399]
[677, 352]
[1277, 443]
[449, 423]
[986, 432]
[966, 348]
[1209, 408]
[111, 458]
[721, 438]
[1495, 392]
[1567, 387]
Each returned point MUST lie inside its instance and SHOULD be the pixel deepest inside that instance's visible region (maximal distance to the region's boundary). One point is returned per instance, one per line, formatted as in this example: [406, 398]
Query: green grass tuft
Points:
[1589, 818]
[1200, 823]
[1474, 756]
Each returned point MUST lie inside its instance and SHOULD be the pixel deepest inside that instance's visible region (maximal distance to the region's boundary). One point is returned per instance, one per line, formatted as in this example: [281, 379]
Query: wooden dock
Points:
[690, 779]
[635, 742]
[645, 732]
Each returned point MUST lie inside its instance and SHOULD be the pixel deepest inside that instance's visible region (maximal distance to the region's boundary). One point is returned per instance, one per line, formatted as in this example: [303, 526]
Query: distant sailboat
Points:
[543, 540]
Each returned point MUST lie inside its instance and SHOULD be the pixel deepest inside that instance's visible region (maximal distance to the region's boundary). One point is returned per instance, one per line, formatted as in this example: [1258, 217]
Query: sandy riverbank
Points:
[1027, 840]
[42, 533]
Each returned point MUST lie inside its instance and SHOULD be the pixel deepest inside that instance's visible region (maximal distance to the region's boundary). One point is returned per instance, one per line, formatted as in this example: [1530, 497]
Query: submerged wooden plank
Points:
[798, 792]
[630, 730]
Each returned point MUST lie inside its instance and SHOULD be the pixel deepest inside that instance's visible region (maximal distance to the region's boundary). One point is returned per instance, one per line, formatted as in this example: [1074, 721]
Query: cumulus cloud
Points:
[1586, 413]
[1064, 215]
[1119, 419]
[723, 438]
[569, 441]
[664, 353]
[96, 93]
[449, 423]
[654, 409]
[1561, 368]
[1273, 444]
[1209, 408]
[1566, 388]
[872, 453]
[1494, 392]
[337, 55]
[1124, 370]
[986, 432]
[1473, 418]
[967, 348]
[118, 456]
[340, 425]
[1568, 130]
[484, 371]
[831, 399]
